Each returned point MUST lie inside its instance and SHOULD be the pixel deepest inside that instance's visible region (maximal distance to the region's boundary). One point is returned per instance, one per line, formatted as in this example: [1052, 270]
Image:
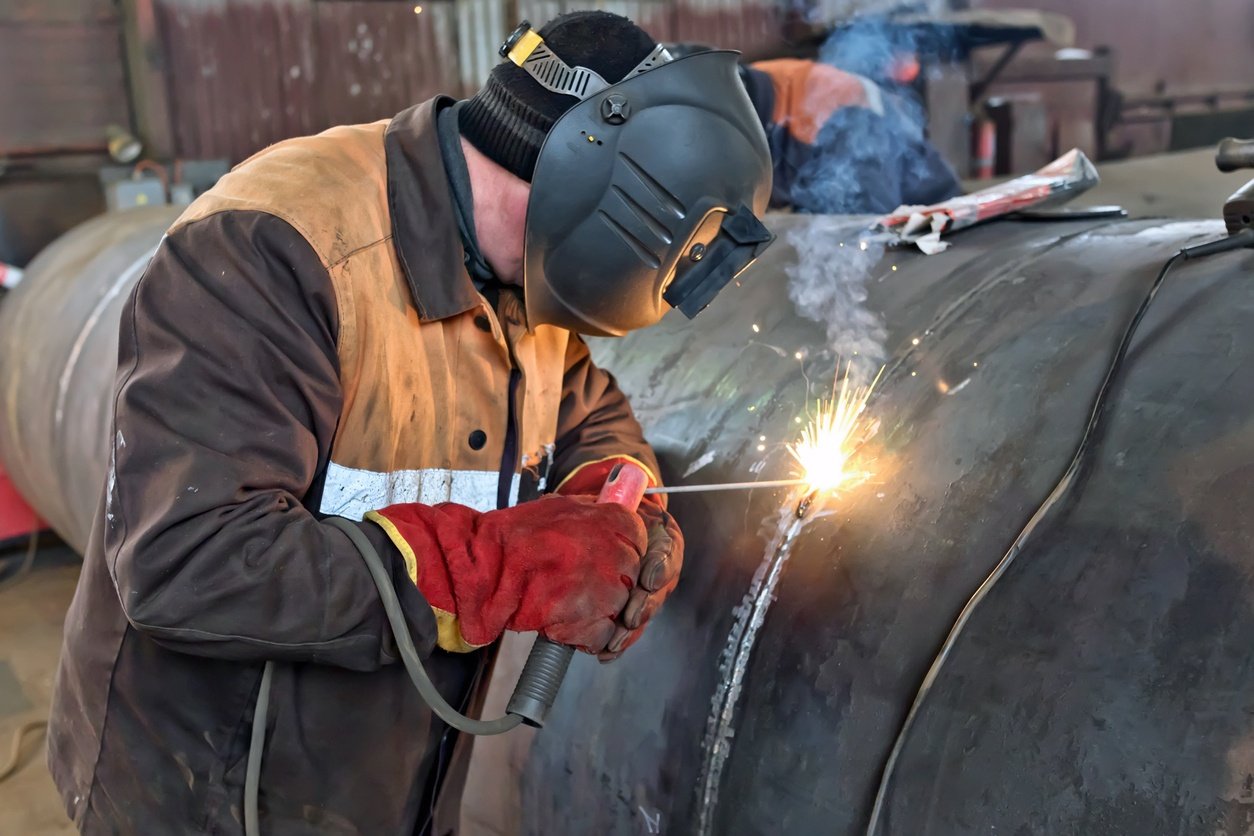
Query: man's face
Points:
[500, 213]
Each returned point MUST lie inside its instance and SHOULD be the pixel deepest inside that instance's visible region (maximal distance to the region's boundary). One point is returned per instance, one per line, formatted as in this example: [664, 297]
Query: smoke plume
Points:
[828, 284]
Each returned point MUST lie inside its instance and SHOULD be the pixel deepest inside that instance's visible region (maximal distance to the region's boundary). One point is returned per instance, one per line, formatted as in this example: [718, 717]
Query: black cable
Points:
[1245, 238]
[409, 656]
[15, 755]
[405, 643]
[252, 775]
[13, 578]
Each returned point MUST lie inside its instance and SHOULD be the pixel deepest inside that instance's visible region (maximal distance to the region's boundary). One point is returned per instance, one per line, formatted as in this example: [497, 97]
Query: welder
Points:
[846, 137]
[844, 142]
[382, 323]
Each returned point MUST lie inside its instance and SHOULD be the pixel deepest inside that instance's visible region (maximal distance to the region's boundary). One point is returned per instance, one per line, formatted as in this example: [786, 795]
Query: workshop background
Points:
[123, 105]
[202, 84]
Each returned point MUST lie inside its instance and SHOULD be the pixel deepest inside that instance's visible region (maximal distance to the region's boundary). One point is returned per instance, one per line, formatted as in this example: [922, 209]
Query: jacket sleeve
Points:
[595, 421]
[227, 399]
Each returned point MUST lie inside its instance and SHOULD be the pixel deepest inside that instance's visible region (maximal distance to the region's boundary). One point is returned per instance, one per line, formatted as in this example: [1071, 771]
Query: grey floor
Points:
[32, 611]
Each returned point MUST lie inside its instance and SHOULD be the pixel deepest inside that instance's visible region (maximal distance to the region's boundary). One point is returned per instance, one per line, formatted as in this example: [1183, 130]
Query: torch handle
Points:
[542, 675]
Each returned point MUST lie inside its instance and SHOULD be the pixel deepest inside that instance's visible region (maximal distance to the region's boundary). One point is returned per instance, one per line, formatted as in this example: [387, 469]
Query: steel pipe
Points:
[1103, 685]
[58, 354]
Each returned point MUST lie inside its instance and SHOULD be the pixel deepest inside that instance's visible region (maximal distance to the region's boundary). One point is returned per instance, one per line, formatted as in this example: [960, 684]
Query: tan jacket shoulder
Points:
[331, 187]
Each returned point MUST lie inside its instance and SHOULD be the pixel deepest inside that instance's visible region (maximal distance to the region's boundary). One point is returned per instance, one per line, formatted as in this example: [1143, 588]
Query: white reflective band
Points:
[350, 492]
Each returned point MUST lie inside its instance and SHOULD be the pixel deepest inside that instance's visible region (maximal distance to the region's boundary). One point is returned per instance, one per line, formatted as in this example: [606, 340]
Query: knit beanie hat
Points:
[511, 114]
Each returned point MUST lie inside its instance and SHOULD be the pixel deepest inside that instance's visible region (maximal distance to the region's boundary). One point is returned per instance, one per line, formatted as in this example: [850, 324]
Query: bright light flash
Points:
[829, 440]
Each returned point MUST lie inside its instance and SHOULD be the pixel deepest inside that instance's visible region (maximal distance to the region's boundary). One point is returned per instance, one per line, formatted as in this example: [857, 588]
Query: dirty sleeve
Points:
[595, 421]
[227, 398]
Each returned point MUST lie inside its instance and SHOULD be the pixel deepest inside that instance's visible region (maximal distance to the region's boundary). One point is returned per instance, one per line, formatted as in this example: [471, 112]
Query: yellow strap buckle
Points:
[526, 44]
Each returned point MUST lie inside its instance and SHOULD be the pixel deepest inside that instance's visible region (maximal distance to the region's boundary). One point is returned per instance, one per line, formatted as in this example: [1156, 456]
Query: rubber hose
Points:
[405, 643]
[409, 657]
[252, 778]
[15, 756]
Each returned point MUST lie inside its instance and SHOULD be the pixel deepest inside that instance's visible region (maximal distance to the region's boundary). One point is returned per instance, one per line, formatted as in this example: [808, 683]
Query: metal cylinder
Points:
[58, 354]
[1103, 686]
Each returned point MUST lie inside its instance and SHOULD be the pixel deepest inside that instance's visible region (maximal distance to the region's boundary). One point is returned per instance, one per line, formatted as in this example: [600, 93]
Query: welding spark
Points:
[836, 429]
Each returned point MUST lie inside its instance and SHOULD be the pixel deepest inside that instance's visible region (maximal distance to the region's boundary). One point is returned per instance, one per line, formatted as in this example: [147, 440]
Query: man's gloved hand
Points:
[663, 559]
[564, 566]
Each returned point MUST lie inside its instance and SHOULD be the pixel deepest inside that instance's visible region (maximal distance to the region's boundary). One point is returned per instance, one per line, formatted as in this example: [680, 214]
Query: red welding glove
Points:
[663, 559]
[564, 566]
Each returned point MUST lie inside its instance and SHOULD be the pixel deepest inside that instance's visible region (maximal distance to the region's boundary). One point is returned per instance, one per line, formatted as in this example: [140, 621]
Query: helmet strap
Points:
[526, 49]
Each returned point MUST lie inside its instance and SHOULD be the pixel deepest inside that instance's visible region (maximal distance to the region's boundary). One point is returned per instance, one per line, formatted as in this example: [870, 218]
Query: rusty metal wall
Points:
[244, 73]
[1163, 44]
[67, 58]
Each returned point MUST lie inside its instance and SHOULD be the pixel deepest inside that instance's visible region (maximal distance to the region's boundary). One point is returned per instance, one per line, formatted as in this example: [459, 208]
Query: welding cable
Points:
[256, 743]
[15, 757]
[405, 643]
[409, 656]
[1099, 409]
[13, 578]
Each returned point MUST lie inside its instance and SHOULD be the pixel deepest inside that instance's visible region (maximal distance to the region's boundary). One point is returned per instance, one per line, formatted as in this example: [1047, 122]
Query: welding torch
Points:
[537, 685]
[541, 677]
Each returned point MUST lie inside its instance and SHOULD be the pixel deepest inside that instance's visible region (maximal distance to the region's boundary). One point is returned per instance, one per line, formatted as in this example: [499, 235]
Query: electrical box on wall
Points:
[132, 194]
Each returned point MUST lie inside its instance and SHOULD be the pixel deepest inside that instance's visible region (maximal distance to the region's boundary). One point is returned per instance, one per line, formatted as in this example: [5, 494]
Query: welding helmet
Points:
[647, 193]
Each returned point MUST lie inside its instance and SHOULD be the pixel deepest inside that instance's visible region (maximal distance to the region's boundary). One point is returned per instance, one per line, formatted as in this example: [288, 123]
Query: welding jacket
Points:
[842, 144]
[305, 342]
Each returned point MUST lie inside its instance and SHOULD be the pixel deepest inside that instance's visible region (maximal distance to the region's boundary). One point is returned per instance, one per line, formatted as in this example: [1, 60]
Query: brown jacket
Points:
[305, 342]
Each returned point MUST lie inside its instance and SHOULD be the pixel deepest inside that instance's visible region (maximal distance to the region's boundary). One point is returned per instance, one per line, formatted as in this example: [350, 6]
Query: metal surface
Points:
[1104, 685]
[246, 73]
[36, 210]
[58, 352]
[68, 57]
[241, 74]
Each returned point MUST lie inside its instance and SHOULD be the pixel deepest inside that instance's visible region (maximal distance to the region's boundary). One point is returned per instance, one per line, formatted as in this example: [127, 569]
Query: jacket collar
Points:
[424, 220]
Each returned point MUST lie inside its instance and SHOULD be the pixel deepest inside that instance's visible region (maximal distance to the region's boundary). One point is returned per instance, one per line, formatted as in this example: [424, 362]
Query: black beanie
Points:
[511, 114]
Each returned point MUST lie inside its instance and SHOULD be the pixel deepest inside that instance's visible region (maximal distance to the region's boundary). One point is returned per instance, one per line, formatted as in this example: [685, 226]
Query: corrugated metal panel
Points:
[66, 59]
[246, 73]
[58, 11]
[481, 27]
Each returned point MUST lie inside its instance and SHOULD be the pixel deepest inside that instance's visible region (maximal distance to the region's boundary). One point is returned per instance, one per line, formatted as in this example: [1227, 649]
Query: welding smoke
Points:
[828, 284]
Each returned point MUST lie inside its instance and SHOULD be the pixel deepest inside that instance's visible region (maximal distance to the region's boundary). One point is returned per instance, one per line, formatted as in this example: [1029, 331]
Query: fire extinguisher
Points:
[984, 142]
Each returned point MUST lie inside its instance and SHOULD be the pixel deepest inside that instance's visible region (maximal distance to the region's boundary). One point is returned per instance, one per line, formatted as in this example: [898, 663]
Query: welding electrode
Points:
[537, 685]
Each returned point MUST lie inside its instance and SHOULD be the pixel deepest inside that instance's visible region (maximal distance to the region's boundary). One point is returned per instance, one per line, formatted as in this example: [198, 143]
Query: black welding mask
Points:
[647, 194]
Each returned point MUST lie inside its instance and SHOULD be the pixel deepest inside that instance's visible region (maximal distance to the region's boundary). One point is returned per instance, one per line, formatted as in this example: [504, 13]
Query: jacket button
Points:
[481, 322]
[477, 439]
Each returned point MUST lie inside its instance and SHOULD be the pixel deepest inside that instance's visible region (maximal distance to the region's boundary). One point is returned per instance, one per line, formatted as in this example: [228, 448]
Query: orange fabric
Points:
[807, 93]
[414, 391]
